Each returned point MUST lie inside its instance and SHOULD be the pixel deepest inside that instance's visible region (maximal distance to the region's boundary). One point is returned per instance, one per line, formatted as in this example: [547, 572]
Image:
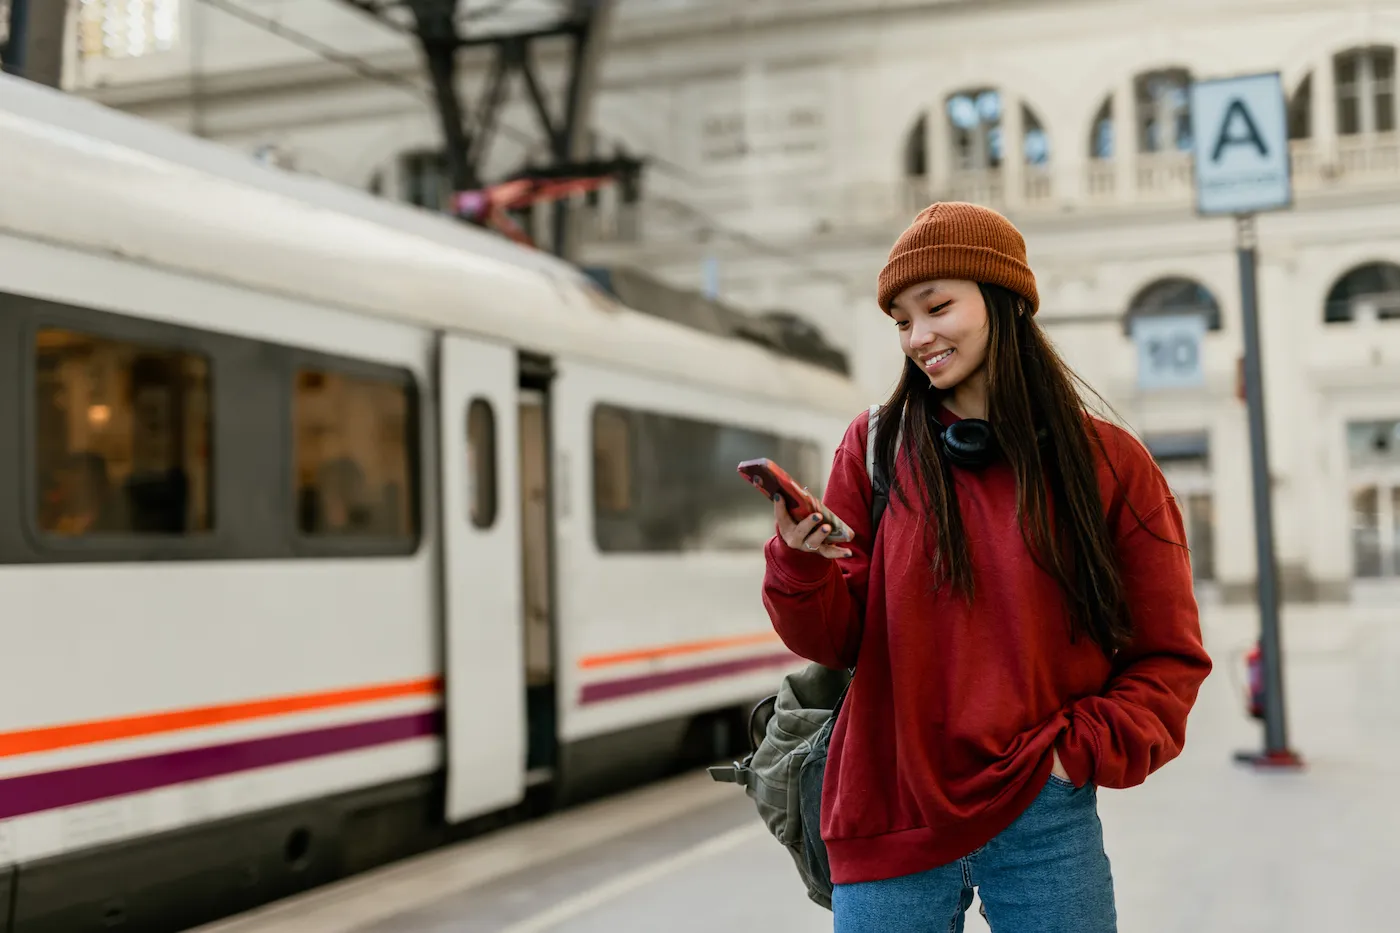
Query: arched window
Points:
[1365, 90]
[1173, 296]
[1300, 110]
[1101, 132]
[1373, 287]
[975, 129]
[974, 121]
[1035, 144]
[1161, 114]
[1164, 110]
[916, 149]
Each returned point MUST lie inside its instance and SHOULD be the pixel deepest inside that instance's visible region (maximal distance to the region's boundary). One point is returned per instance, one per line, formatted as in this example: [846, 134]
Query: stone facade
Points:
[796, 138]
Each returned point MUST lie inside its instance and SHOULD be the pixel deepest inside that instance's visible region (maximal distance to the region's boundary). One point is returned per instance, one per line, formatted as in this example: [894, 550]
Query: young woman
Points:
[1023, 627]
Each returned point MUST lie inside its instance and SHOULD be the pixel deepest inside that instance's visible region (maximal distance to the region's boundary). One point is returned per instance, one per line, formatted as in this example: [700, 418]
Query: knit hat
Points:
[954, 240]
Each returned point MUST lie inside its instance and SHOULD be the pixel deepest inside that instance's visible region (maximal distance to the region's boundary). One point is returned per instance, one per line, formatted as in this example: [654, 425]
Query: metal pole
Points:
[594, 19]
[1276, 751]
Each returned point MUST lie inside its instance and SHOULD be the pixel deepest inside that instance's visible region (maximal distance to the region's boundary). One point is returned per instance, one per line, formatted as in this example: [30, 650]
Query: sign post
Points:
[1240, 134]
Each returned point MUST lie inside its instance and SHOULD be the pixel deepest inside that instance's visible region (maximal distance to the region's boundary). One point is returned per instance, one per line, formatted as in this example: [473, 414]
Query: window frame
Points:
[493, 470]
[1328, 302]
[1365, 89]
[1143, 99]
[1214, 317]
[1104, 115]
[980, 136]
[305, 545]
[252, 486]
[629, 455]
[114, 326]
[803, 447]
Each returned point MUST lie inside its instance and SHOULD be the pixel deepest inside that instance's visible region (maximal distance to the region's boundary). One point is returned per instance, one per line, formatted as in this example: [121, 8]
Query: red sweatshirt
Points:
[947, 733]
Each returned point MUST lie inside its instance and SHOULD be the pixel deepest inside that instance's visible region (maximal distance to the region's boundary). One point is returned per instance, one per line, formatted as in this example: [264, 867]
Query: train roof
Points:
[91, 178]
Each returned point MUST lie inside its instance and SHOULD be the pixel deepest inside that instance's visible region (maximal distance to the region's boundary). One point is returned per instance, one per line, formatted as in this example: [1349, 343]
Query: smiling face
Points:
[943, 329]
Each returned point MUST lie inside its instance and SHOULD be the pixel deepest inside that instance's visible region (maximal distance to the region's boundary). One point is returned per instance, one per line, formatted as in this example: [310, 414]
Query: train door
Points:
[483, 662]
[536, 563]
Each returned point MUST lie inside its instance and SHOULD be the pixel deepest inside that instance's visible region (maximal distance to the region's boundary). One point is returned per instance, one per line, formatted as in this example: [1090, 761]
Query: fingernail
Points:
[777, 498]
[826, 529]
[816, 518]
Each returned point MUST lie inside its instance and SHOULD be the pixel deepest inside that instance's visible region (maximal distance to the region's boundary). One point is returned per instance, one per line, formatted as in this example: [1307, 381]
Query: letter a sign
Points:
[1240, 128]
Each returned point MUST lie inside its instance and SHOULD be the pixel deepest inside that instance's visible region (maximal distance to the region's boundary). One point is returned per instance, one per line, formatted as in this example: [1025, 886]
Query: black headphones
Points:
[970, 443]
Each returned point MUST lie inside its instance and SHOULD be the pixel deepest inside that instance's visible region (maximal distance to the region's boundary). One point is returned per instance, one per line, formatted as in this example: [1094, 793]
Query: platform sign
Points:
[1169, 351]
[1240, 140]
[1239, 128]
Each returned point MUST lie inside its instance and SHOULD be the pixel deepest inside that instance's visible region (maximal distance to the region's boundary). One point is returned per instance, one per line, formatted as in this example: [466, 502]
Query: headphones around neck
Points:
[970, 444]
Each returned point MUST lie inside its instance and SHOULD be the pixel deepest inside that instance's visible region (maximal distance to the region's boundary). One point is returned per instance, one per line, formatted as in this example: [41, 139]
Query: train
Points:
[330, 526]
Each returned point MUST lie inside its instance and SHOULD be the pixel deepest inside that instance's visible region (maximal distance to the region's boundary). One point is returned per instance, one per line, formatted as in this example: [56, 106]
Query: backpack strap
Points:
[874, 422]
[879, 483]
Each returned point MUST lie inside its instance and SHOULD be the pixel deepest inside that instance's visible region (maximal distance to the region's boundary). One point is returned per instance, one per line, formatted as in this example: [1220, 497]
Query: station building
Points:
[792, 140]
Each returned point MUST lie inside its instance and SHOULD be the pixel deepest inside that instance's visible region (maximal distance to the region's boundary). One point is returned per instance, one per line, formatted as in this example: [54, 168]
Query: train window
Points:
[481, 463]
[612, 475]
[353, 450]
[123, 437]
[663, 483]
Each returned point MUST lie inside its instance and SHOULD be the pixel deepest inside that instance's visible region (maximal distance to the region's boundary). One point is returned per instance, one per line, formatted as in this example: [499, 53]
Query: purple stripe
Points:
[646, 683]
[32, 793]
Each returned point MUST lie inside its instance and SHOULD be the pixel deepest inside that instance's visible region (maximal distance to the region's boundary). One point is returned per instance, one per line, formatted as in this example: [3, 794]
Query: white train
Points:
[327, 524]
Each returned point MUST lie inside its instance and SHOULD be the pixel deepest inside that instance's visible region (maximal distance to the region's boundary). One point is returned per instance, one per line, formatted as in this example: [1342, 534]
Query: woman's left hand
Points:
[1058, 769]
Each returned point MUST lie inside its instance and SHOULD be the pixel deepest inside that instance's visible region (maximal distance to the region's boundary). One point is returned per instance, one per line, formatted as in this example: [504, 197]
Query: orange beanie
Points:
[954, 240]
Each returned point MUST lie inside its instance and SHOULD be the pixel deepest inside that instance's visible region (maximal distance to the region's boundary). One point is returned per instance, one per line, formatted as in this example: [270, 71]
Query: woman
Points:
[1023, 628]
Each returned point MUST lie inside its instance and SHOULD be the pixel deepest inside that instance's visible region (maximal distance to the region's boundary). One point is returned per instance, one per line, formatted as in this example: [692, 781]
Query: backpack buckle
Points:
[732, 773]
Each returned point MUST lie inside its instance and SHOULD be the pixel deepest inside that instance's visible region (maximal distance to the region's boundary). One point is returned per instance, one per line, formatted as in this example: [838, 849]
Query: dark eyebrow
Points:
[924, 292]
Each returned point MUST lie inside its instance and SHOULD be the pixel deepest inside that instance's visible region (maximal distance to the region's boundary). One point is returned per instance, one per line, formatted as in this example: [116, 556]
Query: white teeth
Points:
[937, 359]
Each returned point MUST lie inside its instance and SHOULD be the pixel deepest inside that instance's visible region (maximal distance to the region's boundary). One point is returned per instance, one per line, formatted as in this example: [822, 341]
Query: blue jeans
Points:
[1046, 873]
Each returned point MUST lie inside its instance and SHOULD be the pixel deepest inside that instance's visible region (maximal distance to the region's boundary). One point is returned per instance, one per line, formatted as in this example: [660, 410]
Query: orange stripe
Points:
[671, 651]
[47, 739]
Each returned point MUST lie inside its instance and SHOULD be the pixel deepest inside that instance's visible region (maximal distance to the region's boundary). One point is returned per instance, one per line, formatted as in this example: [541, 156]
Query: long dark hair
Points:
[1030, 389]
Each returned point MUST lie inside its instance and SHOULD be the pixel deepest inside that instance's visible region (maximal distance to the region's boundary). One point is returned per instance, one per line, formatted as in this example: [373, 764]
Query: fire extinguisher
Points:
[1254, 678]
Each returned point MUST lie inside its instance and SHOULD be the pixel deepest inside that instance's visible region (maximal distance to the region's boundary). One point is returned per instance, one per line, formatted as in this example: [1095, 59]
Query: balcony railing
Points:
[1164, 177]
[1364, 163]
[980, 186]
[1038, 184]
[1101, 181]
[1359, 161]
[685, 16]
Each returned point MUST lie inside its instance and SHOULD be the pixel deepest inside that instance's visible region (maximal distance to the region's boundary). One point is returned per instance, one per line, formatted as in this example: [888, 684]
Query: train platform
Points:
[1206, 846]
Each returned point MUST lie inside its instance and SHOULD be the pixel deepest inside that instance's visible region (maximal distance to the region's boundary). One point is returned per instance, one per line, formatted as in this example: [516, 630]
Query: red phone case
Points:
[772, 480]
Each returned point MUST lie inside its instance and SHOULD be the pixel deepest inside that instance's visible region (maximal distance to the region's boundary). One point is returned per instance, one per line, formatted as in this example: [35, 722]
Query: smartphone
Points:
[772, 480]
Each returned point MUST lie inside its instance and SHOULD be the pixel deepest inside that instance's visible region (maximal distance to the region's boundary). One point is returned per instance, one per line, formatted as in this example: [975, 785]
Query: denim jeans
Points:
[1046, 873]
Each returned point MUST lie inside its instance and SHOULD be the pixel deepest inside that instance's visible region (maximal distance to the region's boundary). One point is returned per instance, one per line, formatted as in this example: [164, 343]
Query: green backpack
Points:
[790, 733]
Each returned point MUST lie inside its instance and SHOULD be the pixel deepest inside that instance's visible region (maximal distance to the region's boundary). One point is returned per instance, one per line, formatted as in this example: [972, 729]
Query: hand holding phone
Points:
[808, 535]
[800, 514]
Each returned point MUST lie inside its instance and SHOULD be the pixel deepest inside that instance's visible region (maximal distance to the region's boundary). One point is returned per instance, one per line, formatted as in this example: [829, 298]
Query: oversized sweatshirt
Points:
[947, 732]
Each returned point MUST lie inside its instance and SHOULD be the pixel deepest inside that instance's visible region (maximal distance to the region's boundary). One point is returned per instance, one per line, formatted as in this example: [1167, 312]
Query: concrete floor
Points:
[1206, 846]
